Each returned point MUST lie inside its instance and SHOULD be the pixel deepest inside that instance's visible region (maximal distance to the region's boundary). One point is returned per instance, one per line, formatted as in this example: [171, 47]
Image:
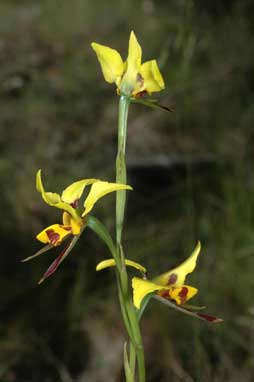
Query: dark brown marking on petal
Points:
[141, 94]
[183, 294]
[172, 279]
[140, 80]
[66, 228]
[75, 204]
[53, 236]
[163, 293]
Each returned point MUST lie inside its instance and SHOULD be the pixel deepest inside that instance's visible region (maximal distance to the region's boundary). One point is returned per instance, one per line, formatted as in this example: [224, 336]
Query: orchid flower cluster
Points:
[135, 82]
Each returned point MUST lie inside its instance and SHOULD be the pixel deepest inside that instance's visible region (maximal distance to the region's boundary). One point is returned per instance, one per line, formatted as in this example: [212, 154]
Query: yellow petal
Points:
[54, 234]
[66, 218]
[112, 65]
[182, 294]
[51, 198]
[100, 189]
[177, 275]
[153, 81]
[76, 224]
[141, 288]
[133, 65]
[135, 52]
[75, 190]
[111, 263]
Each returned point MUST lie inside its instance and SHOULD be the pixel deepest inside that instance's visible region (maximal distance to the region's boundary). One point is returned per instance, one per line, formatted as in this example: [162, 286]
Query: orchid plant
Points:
[135, 82]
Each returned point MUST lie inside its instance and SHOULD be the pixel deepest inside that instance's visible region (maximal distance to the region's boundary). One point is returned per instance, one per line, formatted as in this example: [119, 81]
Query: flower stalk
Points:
[136, 346]
[121, 173]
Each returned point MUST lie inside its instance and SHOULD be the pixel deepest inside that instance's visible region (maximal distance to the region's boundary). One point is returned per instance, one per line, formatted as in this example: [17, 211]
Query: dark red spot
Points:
[183, 294]
[53, 236]
[66, 228]
[163, 293]
[172, 279]
[75, 204]
[141, 94]
[209, 318]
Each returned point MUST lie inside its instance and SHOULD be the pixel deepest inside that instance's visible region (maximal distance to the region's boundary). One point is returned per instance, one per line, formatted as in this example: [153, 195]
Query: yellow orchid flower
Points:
[169, 286]
[74, 218]
[131, 77]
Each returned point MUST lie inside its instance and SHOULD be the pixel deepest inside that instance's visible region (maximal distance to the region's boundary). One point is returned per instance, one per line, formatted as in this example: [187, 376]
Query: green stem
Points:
[136, 346]
[99, 228]
[121, 175]
[132, 357]
[125, 313]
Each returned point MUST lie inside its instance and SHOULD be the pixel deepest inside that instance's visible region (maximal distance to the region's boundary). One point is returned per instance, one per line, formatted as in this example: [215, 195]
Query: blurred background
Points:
[192, 171]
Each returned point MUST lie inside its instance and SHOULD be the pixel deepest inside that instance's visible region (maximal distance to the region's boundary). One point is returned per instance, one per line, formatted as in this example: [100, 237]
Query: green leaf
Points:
[128, 373]
[99, 228]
